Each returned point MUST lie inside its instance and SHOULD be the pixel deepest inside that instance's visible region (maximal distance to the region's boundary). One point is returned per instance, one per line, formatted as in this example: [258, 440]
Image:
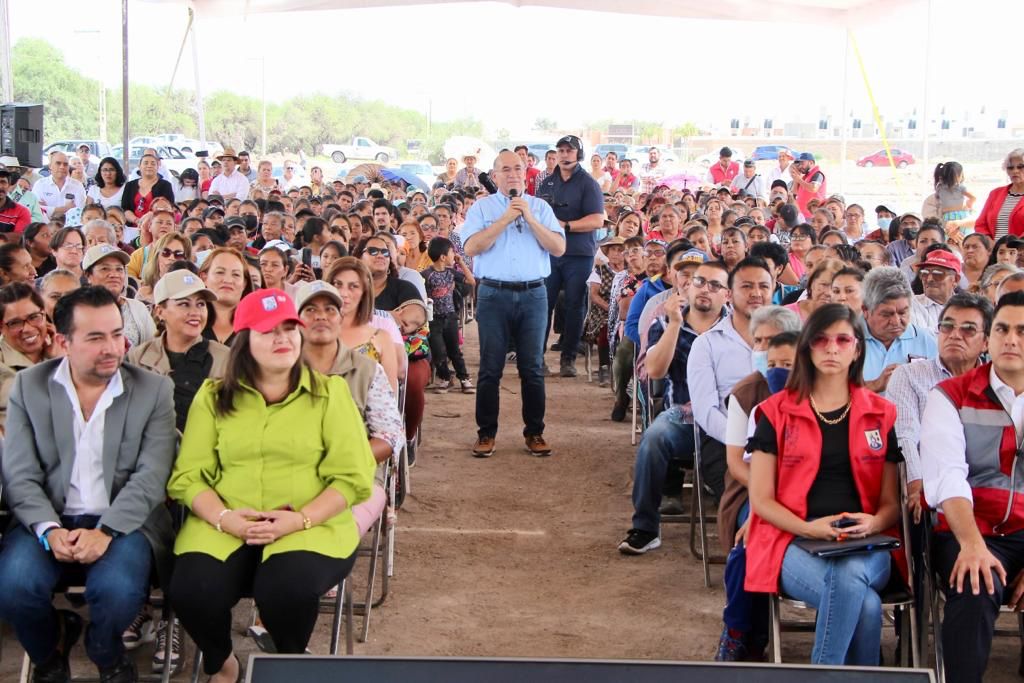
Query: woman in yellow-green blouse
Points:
[273, 458]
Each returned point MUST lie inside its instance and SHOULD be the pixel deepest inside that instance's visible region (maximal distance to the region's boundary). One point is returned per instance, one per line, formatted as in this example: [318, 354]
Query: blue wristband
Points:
[42, 538]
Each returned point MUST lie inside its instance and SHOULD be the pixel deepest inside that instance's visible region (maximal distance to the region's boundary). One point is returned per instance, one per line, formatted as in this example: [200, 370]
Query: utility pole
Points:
[6, 75]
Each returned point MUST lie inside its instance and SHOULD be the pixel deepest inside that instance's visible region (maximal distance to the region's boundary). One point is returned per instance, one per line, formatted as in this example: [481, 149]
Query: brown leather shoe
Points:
[484, 447]
[536, 445]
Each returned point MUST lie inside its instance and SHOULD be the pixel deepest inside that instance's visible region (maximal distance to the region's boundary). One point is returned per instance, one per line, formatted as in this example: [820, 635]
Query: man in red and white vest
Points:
[971, 435]
[808, 181]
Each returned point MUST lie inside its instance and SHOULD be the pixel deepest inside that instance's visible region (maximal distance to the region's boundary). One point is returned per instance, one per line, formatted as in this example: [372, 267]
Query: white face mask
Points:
[760, 361]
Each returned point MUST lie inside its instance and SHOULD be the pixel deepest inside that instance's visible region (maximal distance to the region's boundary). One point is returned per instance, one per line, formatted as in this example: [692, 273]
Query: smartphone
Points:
[844, 523]
[307, 257]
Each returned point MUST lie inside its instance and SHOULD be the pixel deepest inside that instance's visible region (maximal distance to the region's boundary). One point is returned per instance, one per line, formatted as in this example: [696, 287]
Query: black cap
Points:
[779, 183]
[571, 141]
[882, 207]
[789, 215]
[212, 210]
[725, 152]
[235, 222]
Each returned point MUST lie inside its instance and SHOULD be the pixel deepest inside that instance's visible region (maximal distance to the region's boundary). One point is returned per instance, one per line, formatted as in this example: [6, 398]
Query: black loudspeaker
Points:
[291, 668]
[21, 133]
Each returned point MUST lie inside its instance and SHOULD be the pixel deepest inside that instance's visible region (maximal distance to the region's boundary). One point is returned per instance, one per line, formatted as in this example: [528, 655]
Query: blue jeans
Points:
[116, 587]
[569, 273]
[844, 590]
[505, 315]
[668, 438]
[745, 612]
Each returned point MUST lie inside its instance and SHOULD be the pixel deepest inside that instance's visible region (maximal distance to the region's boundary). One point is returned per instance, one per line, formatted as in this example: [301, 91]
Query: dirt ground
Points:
[516, 556]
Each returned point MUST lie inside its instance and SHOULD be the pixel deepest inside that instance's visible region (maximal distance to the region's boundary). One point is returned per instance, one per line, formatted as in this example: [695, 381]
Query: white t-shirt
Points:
[106, 202]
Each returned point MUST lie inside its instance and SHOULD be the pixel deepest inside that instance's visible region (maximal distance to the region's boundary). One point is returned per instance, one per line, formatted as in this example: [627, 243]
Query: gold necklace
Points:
[834, 421]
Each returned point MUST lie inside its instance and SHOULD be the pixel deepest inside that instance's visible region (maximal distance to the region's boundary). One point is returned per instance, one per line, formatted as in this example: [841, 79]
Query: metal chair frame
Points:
[901, 603]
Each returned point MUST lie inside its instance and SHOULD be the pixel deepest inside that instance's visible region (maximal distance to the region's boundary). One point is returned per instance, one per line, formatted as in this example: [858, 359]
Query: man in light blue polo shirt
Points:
[891, 338]
[511, 237]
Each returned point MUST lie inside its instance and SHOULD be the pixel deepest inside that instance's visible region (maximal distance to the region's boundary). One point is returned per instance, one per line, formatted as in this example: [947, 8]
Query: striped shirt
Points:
[1003, 219]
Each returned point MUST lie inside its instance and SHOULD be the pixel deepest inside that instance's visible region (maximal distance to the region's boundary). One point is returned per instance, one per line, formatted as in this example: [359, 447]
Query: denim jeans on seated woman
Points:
[844, 590]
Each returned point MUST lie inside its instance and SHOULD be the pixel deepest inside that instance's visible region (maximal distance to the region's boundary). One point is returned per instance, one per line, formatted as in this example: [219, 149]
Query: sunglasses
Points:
[178, 254]
[378, 251]
[937, 273]
[713, 285]
[967, 330]
[843, 342]
[1015, 167]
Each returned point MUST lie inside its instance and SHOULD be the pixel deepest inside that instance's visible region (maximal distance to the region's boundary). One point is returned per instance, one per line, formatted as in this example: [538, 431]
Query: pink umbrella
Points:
[681, 181]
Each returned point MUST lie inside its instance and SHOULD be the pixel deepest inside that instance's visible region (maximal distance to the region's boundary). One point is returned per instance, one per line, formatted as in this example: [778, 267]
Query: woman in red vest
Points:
[825, 449]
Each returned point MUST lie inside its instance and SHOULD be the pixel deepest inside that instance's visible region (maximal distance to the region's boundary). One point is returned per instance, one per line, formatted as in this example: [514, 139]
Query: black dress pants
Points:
[287, 588]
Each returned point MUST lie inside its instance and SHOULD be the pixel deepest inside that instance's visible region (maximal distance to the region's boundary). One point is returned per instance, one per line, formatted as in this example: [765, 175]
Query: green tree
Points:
[71, 101]
[545, 124]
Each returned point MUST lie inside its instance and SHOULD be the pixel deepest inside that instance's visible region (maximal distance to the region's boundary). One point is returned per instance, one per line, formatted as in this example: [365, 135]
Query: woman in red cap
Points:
[270, 466]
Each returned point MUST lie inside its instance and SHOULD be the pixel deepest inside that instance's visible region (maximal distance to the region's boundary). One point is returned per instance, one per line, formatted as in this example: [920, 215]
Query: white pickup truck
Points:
[360, 148]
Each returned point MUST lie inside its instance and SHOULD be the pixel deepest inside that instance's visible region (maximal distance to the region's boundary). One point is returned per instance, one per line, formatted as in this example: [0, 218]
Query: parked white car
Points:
[360, 148]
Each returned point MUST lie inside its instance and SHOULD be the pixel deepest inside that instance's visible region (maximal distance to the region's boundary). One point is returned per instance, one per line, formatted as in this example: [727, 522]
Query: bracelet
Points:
[307, 523]
[220, 518]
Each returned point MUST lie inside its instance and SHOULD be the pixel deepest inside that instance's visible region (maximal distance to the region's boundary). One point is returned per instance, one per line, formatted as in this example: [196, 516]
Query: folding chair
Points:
[934, 597]
[698, 514]
[897, 596]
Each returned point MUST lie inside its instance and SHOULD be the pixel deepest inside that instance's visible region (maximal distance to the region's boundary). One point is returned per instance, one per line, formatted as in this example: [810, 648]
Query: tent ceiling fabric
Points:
[797, 11]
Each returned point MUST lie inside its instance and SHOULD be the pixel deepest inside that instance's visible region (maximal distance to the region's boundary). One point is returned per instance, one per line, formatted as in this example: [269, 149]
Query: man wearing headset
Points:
[579, 207]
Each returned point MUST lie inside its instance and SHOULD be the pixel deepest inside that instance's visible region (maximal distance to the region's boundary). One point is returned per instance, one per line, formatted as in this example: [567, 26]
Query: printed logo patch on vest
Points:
[874, 438]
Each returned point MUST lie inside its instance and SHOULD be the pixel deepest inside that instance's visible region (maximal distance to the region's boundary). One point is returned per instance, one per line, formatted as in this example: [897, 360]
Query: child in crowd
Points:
[955, 203]
[446, 269]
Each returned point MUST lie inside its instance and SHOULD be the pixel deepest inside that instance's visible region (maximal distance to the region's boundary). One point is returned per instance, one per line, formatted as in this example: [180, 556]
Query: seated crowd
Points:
[218, 338]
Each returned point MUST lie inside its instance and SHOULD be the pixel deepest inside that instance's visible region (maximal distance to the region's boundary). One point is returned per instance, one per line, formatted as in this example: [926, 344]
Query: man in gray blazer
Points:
[89, 448]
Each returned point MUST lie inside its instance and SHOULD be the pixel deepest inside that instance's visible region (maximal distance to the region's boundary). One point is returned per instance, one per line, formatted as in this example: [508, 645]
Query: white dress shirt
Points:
[52, 197]
[943, 444]
[236, 184]
[925, 313]
[779, 174]
[87, 493]
[718, 359]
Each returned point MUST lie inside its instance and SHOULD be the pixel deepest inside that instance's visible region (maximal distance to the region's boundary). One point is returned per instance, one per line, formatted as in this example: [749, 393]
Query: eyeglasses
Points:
[178, 254]
[967, 330]
[378, 251]
[71, 247]
[17, 324]
[713, 286]
[821, 342]
[937, 273]
[1015, 167]
[799, 238]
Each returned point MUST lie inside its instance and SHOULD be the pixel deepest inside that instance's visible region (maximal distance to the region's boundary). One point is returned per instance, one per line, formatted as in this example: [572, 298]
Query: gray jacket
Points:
[139, 442]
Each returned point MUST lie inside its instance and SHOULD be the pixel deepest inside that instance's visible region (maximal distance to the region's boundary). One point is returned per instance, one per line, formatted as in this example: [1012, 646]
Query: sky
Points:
[508, 66]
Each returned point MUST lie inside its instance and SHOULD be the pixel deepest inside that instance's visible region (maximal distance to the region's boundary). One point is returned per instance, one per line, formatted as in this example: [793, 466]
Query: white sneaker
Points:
[161, 645]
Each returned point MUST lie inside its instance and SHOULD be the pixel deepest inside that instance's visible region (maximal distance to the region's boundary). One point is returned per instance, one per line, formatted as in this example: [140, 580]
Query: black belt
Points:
[514, 286]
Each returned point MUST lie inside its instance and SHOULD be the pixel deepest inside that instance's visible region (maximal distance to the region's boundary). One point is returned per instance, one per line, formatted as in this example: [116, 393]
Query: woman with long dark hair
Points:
[273, 458]
[825, 456]
[110, 182]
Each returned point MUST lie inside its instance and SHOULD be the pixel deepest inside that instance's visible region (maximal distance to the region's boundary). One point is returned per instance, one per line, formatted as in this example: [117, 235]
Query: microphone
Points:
[487, 183]
[512, 194]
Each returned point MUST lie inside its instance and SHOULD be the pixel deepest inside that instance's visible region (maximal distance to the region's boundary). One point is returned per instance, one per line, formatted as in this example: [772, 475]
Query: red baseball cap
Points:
[265, 309]
[943, 259]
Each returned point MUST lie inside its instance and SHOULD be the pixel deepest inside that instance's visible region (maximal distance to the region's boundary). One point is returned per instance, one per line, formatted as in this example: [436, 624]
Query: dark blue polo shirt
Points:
[572, 200]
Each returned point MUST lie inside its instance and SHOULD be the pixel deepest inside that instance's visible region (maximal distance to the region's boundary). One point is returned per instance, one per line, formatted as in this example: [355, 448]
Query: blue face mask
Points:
[760, 359]
[776, 378]
[883, 223]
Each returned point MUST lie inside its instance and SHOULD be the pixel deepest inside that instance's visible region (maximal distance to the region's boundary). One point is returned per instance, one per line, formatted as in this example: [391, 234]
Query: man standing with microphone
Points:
[579, 206]
[513, 240]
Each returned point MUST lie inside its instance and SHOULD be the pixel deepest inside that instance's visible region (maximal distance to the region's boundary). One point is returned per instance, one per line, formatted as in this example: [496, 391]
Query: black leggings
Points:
[287, 588]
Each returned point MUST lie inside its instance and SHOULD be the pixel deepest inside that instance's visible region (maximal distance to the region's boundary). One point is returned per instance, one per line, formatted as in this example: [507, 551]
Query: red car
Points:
[900, 158]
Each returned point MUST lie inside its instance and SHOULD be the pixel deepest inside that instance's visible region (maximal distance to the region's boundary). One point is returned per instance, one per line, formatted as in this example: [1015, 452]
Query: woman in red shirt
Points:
[825, 451]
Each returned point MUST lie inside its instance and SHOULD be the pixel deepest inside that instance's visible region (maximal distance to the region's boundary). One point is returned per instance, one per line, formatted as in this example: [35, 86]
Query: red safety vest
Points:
[803, 195]
[799, 458]
[724, 177]
[998, 503]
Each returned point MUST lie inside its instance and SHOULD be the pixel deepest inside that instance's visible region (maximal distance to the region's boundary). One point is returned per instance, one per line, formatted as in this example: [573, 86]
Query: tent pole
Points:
[200, 106]
[927, 77]
[844, 120]
[125, 109]
[6, 75]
